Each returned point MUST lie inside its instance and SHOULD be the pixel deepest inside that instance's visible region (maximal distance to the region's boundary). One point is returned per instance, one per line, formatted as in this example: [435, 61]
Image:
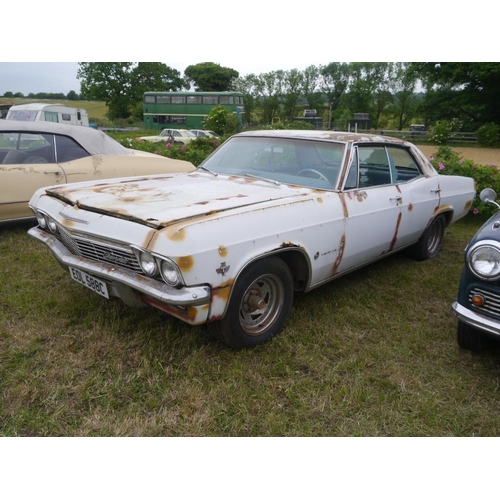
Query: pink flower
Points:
[431, 158]
[441, 166]
[168, 144]
[460, 162]
[475, 211]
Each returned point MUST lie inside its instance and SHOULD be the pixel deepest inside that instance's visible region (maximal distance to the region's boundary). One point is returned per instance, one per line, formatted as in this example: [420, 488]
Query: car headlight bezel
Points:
[41, 218]
[483, 259]
[163, 267]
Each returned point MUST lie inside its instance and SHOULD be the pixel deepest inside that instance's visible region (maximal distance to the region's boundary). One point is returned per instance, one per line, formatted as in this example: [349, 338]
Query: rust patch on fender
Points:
[185, 263]
[222, 251]
[410, 207]
[319, 200]
[468, 205]
[338, 260]
[223, 291]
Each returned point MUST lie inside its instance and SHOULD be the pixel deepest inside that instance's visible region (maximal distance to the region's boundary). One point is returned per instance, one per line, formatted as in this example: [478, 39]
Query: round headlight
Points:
[52, 224]
[484, 261]
[42, 221]
[148, 264]
[170, 273]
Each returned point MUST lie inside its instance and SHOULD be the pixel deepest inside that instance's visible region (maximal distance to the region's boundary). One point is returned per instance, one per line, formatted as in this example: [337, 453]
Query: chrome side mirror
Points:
[489, 195]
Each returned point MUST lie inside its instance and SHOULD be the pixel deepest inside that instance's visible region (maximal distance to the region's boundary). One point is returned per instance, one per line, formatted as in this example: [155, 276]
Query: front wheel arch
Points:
[260, 301]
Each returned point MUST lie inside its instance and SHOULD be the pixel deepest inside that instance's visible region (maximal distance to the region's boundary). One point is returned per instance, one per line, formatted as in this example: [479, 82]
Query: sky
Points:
[56, 77]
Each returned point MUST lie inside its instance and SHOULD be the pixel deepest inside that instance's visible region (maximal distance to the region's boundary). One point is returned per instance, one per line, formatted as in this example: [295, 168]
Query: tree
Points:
[221, 121]
[210, 77]
[121, 85]
[468, 92]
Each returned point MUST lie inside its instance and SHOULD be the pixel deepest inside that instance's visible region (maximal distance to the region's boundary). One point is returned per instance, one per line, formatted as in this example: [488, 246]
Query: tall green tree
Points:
[466, 92]
[121, 85]
[210, 77]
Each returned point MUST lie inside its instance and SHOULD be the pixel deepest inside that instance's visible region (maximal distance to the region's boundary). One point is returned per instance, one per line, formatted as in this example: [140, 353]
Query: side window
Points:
[403, 166]
[374, 169]
[27, 148]
[67, 149]
[352, 176]
[51, 116]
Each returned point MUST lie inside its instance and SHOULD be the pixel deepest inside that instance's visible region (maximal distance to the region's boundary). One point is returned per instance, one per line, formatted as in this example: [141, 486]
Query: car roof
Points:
[96, 142]
[324, 135]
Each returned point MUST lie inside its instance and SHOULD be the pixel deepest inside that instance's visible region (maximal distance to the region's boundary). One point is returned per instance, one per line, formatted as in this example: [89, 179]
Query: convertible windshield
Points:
[300, 162]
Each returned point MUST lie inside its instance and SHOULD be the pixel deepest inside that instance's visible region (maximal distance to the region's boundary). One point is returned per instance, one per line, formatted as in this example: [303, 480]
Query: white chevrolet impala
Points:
[268, 214]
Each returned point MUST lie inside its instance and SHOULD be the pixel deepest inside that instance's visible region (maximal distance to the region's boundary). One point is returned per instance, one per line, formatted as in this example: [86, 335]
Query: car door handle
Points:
[397, 199]
[57, 172]
[437, 191]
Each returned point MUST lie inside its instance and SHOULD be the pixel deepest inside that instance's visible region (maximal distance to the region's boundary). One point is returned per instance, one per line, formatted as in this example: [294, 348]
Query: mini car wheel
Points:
[472, 339]
[429, 244]
[260, 302]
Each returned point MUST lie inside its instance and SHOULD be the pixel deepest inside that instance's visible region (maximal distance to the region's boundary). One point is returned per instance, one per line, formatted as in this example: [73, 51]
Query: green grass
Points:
[371, 354]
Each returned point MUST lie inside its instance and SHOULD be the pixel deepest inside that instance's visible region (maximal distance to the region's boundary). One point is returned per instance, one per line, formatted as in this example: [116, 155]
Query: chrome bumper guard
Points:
[122, 280]
[475, 320]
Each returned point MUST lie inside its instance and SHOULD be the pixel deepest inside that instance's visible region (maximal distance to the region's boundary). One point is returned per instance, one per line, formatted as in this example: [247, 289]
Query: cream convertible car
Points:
[267, 214]
[37, 154]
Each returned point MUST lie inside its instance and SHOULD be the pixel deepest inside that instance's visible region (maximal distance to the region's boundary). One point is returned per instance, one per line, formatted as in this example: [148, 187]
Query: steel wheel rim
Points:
[435, 236]
[261, 304]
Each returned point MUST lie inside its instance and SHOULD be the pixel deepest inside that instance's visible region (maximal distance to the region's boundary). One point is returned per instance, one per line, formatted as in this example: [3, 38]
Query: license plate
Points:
[96, 285]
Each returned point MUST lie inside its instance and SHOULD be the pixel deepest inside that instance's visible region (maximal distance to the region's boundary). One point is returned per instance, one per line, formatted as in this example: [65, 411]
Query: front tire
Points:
[259, 304]
[429, 244]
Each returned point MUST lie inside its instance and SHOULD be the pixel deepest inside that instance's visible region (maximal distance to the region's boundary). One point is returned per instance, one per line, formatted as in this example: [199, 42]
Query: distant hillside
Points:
[95, 109]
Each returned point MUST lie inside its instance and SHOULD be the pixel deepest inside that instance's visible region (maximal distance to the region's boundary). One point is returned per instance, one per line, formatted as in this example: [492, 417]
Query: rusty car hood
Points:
[159, 201]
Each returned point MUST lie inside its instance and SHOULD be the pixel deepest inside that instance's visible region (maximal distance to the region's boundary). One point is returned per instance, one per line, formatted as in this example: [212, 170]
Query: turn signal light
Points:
[477, 300]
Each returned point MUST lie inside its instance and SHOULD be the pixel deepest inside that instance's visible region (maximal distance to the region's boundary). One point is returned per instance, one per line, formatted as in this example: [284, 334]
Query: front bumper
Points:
[190, 304]
[476, 320]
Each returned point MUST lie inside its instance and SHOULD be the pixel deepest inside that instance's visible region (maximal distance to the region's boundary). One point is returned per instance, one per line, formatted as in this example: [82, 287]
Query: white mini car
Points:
[269, 213]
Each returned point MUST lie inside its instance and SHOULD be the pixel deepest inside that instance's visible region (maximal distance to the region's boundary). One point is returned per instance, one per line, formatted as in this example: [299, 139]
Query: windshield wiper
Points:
[215, 174]
[263, 179]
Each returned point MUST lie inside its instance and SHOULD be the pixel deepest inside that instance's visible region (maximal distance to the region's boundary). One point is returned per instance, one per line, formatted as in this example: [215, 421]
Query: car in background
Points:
[267, 214]
[205, 133]
[175, 136]
[37, 154]
[478, 301]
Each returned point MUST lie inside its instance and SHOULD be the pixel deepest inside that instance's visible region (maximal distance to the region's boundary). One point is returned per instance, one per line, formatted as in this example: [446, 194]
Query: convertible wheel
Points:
[472, 339]
[260, 302]
[429, 244]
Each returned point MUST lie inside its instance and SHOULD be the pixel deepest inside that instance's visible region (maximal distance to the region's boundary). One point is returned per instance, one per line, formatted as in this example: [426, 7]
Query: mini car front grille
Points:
[91, 249]
[491, 305]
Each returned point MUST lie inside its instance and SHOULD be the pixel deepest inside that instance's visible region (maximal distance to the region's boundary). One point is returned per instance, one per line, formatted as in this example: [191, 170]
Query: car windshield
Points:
[308, 163]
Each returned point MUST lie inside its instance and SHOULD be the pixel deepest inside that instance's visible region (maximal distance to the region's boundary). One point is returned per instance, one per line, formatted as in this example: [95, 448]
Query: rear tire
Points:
[429, 244]
[259, 304]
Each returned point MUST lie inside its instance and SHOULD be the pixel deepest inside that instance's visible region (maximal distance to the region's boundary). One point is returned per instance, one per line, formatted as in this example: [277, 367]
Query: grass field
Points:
[95, 109]
[371, 354]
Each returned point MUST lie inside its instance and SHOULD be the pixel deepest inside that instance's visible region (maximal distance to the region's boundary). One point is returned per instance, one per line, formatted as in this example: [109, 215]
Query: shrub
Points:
[440, 132]
[487, 135]
[195, 151]
[221, 121]
[448, 162]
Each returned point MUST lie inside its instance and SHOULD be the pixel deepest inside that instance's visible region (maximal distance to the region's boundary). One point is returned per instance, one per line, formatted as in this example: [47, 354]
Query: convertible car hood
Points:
[160, 201]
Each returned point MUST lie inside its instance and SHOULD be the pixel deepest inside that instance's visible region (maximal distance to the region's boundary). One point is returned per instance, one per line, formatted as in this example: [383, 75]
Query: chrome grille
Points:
[120, 256]
[491, 304]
